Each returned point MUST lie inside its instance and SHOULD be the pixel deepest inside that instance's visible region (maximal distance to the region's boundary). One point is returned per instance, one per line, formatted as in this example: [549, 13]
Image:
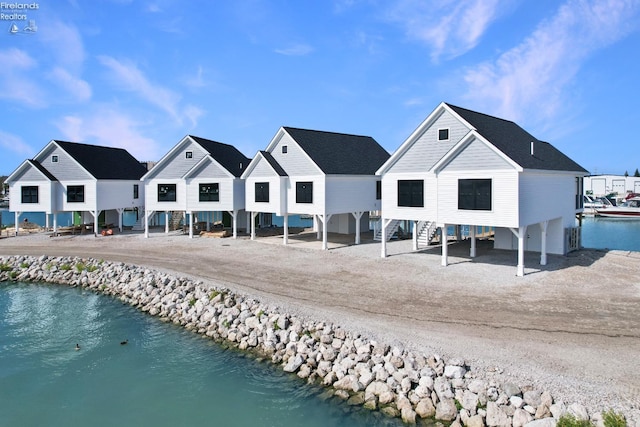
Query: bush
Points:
[5, 267]
[571, 421]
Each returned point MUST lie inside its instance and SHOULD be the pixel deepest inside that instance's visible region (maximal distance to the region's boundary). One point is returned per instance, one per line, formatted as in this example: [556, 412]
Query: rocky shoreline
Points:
[377, 376]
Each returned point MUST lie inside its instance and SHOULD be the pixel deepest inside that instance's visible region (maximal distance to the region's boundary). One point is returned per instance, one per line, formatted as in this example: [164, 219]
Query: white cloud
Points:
[197, 81]
[299, 49]
[133, 80]
[15, 83]
[450, 27]
[79, 89]
[111, 128]
[15, 144]
[531, 78]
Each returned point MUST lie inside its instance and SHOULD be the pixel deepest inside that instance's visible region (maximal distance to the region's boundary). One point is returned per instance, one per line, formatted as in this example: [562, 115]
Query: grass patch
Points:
[192, 302]
[5, 267]
[65, 267]
[213, 294]
[24, 265]
[13, 275]
[571, 421]
[80, 266]
[611, 418]
[92, 268]
[276, 327]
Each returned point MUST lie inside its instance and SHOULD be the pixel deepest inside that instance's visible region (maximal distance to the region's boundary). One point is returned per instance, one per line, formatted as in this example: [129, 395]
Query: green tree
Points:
[626, 174]
[637, 173]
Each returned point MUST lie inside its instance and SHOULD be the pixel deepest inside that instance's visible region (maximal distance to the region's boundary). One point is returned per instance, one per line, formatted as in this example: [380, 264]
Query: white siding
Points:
[44, 204]
[318, 205]
[30, 174]
[351, 194]
[176, 165]
[546, 196]
[238, 194]
[295, 161]
[504, 203]
[209, 169]
[262, 169]
[346, 224]
[277, 195]
[477, 156]
[505, 239]
[390, 208]
[116, 194]
[225, 189]
[151, 195]
[427, 150]
[66, 168]
[90, 202]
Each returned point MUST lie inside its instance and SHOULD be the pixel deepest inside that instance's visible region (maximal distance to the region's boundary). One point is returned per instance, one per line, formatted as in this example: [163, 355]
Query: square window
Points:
[210, 192]
[54, 159]
[166, 192]
[411, 193]
[443, 134]
[75, 194]
[304, 192]
[474, 194]
[262, 192]
[29, 194]
[189, 155]
[284, 149]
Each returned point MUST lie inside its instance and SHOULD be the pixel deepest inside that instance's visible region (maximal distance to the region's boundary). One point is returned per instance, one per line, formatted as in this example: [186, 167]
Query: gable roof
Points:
[104, 162]
[27, 164]
[515, 142]
[227, 155]
[42, 169]
[273, 162]
[339, 153]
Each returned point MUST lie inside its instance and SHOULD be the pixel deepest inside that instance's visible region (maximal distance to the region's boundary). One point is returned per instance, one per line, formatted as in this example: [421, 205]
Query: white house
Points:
[460, 167]
[197, 176]
[73, 177]
[602, 185]
[330, 176]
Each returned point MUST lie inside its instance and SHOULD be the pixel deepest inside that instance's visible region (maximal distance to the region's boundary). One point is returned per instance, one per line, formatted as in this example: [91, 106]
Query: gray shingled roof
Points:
[274, 163]
[515, 142]
[340, 154]
[36, 164]
[227, 155]
[104, 162]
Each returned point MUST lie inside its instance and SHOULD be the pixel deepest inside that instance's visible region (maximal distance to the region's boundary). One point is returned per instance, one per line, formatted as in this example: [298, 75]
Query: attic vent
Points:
[240, 165]
[284, 149]
[532, 150]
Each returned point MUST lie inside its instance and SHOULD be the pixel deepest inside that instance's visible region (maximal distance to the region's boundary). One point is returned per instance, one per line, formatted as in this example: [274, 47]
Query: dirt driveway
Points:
[572, 326]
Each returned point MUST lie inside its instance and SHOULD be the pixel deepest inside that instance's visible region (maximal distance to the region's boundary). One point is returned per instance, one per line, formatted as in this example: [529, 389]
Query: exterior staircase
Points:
[392, 228]
[139, 225]
[426, 232]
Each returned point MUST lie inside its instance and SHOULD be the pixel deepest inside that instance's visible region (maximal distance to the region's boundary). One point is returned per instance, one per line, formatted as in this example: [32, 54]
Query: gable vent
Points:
[532, 148]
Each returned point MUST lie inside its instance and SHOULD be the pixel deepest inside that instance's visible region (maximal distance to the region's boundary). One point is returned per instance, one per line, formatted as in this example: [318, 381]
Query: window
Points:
[411, 193]
[262, 192]
[188, 155]
[209, 192]
[579, 191]
[136, 190]
[166, 192]
[378, 190]
[29, 194]
[304, 192]
[75, 194]
[284, 149]
[443, 134]
[54, 159]
[474, 194]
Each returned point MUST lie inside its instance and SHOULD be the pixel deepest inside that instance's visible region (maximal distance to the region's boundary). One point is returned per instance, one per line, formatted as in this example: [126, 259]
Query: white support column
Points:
[316, 226]
[146, 224]
[209, 221]
[95, 214]
[17, 222]
[120, 213]
[520, 233]
[414, 235]
[445, 245]
[234, 219]
[46, 221]
[543, 249]
[253, 225]
[472, 236]
[384, 223]
[166, 222]
[285, 229]
[55, 222]
[357, 216]
[325, 232]
[190, 224]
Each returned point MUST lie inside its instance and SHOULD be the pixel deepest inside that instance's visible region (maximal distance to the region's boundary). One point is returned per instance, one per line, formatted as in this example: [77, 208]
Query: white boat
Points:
[629, 209]
[591, 203]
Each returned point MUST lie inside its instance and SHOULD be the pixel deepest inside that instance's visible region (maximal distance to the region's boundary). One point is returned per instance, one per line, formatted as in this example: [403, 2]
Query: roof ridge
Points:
[483, 114]
[326, 131]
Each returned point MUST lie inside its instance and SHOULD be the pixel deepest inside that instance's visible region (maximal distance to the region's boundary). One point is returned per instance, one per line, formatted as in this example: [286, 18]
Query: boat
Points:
[591, 203]
[4, 202]
[629, 209]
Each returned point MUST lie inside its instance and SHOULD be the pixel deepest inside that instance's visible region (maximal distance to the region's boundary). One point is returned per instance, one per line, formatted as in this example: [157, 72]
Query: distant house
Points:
[461, 167]
[70, 177]
[330, 176]
[197, 176]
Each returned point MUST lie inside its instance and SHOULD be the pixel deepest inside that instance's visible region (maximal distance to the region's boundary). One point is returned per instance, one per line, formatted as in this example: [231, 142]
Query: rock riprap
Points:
[362, 371]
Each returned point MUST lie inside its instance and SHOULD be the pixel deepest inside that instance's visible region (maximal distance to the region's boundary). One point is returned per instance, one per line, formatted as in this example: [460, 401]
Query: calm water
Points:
[164, 376]
[611, 233]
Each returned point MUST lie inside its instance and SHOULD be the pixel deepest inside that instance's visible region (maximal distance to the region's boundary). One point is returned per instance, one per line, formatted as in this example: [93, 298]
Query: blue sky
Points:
[143, 74]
